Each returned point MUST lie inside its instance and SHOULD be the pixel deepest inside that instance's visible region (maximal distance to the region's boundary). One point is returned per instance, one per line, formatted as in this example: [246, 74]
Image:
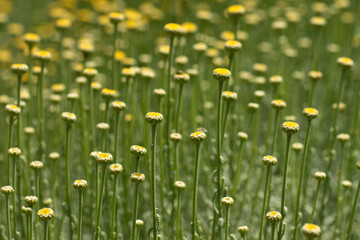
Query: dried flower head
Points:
[229, 96]
[227, 201]
[154, 118]
[221, 74]
[115, 168]
[345, 62]
[36, 165]
[31, 200]
[290, 127]
[68, 117]
[311, 230]
[197, 137]
[7, 190]
[269, 160]
[179, 185]
[45, 214]
[12, 110]
[273, 216]
[137, 177]
[278, 104]
[19, 68]
[310, 113]
[138, 150]
[80, 184]
[14, 152]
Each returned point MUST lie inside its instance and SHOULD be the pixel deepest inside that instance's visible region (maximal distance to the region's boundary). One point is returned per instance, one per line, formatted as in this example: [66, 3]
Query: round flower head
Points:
[43, 56]
[128, 72]
[26, 210]
[14, 152]
[95, 86]
[182, 78]
[72, 96]
[310, 113]
[94, 155]
[116, 17]
[90, 72]
[235, 11]
[229, 96]
[343, 137]
[346, 183]
[36, 165]
[259, 67]
[290, 127]
[243, 230]
[200, 47]
[31, 200]
[31, 38]
[341, 106]
[63, 24]
[315, 75]
[12, 110]
[181, 61]
[80, 184]
[232, 46]
[86, 47]
[172, 28]
[278, 104]
[139, 223]
[189, 28]
[345, 62]
[253, 107]
[179, 185]
[104, 158]
[310, 230]
[108, 93]
[276, 80]
[221, 74]
[47, 202]
[147, 73]
[269, 160]
[138, 150]
[318, 21]
[137, 177]
[154, 118]
[159, 92]
[103, 126]
[68, 117]
[227, 201]
[118, 106]
[242, 136]
[175, 137]
[58, 88]
[54, 155]
[19, 68]
[273, 216]
[297, 146]
[29, 130]
[81, 80]
[45, 214]
[197, 137]
[115, 168]
[7, 190]
[164, 50]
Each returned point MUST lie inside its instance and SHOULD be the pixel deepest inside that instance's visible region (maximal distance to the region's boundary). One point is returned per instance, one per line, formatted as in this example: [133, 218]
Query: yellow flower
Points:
[45, 214]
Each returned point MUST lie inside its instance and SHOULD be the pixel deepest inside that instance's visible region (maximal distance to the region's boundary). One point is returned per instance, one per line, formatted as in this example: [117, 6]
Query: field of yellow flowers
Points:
[179, 119]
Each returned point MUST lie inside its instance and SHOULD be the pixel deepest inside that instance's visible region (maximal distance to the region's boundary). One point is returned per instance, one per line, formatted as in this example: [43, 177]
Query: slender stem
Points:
[264, 201]
[177, 118]
[168, 91]
[18, 104]
[100, 200]
[81, 197]
[227, 222]
[273, 225]
[46, 228]
[298, 195]
[136, 201]
[27, 227]
[238, 170]
[338, 191]
[315, 200]
[11, 127]
[113, 214]
[153, 185]
[116, 136]
[31, 226]
[178, 215]
[276, 120]
[67, 177]
[224, 120]
[176, 161]
[41, 112]
[353, 212]
[92, 113]
[14, 198]
[283, 191]
[312, 90]
[113, 79]
[196, 180]
[8, 217]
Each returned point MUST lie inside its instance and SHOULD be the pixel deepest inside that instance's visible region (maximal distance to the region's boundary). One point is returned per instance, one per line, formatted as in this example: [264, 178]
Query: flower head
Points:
[30, 200]
[154, 118]
[235, 11]
[276, 80]
[181, 78]
[318, 21]
[58, 88]
[345, 62]
[80, 184]
[343, 137]
[269, 160]
[172, 28]
[159, 92]
[115, 168]
[45, 214]
[103, 126]
[310, 113]
[31, 38]
[221, 74]
[180, 185]
[229, 96]
[90, 72]
[108, 93]
[197, 137]
[242, 136]
[137, 177]
[227, 201]
[311, 230]
[297, 146]
[63, 23]
[36, 165]
[14, 152]
[118, 106]
[175, 137]
[138, 150]
[253, 107]
[7, 190]
[68, 117]
[315, 75]
[232, 46]
[43, 56]
[189, 28]
[104, 158]
[19, 68]
[290, 127]
[243, 230]
[26, 210]
[116, 17]
[12, 110]
[273, 216]
[278, 104]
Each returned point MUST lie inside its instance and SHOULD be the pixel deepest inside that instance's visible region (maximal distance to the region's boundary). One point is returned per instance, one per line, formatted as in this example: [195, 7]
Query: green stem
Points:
[283, 191]
[176, 161]
[315, 200]
[67, 177]
[268, 172]
[113, 79]
[99, 205]
[8, 217]
[196, 180]
[14, 197]
[113, 214]
[273, 225]
[276, 120]
[227, 222]
[19, 117]
[11, 127]
[81, 197]
[41, 112]
[136, 202]
[312, 90]
[46, 230]
[168, 91]
[92, 113]
[153, 185]
[116, 136]
[298, 195]
[224, 120]
[338, 191]
[353, 212]
[177, 120]
[31, 227]
[178, 216]
[238, 170]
